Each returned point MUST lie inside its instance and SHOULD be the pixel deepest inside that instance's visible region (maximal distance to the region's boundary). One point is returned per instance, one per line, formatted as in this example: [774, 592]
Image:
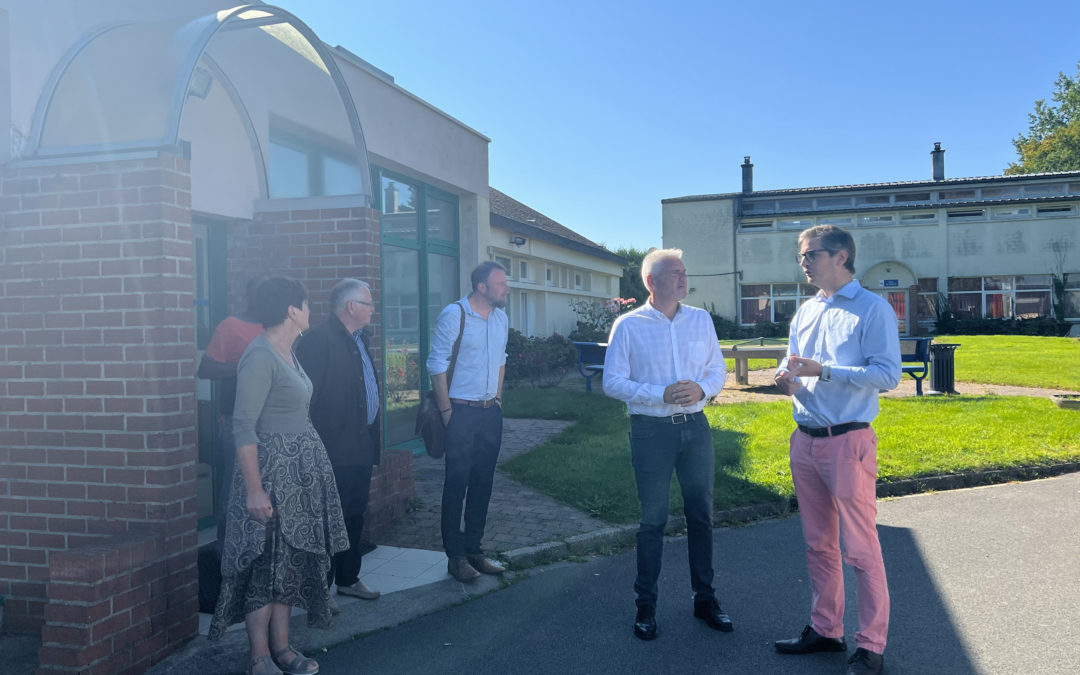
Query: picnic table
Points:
[742, 352]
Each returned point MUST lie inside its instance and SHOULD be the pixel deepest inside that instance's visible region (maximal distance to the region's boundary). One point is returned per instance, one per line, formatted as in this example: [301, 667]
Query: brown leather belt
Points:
[474, 404]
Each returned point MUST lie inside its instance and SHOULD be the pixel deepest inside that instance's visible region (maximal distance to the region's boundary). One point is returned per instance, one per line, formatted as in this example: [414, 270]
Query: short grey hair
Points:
[344, 291]
[655, 257]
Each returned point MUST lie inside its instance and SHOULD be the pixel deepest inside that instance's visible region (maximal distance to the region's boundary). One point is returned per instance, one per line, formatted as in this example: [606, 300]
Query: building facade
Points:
[549, 266]
[155, 156]
[988, 247]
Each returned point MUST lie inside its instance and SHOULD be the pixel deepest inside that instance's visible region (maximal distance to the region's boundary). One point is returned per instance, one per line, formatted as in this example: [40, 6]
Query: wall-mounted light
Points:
[517, 240]
[199, 85]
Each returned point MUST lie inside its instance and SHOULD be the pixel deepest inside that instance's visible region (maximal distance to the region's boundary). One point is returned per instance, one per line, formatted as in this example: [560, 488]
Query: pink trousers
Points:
[835, 480]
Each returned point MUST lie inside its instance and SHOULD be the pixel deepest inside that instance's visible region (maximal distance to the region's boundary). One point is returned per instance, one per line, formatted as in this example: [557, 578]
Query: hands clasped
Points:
[684, 393]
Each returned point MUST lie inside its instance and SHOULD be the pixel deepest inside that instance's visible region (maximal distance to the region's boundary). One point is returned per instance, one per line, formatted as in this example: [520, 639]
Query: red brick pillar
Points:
[97, 406]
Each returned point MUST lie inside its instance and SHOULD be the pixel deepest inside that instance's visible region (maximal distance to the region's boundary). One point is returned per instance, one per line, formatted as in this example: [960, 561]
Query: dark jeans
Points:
[658, 448]
[354, 486]
[473, 439]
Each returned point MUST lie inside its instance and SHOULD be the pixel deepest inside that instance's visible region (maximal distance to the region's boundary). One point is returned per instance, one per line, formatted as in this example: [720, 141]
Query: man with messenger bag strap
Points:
[471, 408]
[429, 421]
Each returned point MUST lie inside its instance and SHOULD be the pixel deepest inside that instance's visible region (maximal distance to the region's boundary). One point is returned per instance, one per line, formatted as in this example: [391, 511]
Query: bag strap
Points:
[457, 347]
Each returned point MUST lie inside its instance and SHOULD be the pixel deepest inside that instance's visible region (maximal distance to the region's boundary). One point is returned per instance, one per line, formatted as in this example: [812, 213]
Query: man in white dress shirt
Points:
[664, 361]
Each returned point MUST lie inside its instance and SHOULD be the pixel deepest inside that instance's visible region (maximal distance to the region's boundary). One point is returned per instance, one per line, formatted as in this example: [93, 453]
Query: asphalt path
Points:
[983, 580]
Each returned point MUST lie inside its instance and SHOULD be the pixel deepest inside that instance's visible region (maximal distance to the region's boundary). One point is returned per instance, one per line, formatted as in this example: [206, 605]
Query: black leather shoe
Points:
[709, 610]
[865, 662]
[809, 642]
[645, 623]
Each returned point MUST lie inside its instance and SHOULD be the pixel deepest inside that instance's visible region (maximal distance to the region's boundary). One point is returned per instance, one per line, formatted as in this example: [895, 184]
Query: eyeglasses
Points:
[811, 255]
[363, 302]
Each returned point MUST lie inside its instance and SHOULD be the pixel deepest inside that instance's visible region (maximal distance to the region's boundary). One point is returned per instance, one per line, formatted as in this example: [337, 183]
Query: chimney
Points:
[938, 156]
[747, 175]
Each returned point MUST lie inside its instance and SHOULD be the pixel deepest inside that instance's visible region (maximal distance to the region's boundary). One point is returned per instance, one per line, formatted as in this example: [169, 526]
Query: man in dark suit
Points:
[345, 412]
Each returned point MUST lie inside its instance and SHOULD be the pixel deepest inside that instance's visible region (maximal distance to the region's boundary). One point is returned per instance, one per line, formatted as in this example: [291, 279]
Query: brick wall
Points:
[97, 387]
[392, 488]
[320, 247]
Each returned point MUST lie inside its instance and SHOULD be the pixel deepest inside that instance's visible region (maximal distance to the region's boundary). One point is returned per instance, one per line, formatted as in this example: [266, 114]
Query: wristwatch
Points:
[826, 373]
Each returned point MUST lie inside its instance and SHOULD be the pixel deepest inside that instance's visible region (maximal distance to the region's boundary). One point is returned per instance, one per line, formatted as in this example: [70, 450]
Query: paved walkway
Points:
[518, 515]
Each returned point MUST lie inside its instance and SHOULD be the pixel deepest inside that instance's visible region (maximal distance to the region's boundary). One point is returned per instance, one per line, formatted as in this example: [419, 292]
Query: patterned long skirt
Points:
[285, 560]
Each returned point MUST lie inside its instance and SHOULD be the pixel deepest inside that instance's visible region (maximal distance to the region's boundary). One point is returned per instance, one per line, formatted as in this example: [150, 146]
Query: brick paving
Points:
[518, 516]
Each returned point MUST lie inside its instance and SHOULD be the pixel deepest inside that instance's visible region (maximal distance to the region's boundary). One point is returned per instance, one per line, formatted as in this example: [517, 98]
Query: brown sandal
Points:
[298, 665]
[264, 666]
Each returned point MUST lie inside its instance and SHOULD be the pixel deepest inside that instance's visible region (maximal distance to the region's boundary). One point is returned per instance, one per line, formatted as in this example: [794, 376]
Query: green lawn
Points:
[1019, 360]
[588, 465]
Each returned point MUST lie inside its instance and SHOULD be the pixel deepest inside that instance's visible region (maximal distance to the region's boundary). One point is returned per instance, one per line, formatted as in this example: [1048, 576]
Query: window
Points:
[1032, 296]
[1056, 210]
[833, 202]
[759, 207]
[1072, 296]
[1001, 192]
[1051, 189]
[956, 195]
[873, 200]
[523, 270]
[420, 276]
[756, 225]
[548, 277]
[761, 303]
[966, 214]
[839, 222]
[1012, 212]
[796, 204]
[917, 218]
[926, 303]
[906, 197]
[1000, 297]
[304, 163]
[505, 262]
[870, 221]
[577, 280]
[799, 224]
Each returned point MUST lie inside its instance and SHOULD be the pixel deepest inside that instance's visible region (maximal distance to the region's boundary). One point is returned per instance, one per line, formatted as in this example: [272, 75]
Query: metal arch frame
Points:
[204, 30]
[245, 119]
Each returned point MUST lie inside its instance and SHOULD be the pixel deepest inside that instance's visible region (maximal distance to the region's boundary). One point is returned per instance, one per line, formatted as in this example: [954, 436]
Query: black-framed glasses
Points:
[811, 255]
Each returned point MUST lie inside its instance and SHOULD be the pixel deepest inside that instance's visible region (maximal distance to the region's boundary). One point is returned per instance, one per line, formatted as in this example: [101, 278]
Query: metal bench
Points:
[590, 360]
[915, 359]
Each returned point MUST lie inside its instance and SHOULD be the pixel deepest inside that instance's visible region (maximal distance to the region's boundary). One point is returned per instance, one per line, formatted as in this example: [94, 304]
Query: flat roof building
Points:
[990, 246]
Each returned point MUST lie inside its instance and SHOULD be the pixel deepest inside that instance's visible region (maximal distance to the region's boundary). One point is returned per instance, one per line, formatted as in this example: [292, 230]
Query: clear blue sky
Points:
[598, 110]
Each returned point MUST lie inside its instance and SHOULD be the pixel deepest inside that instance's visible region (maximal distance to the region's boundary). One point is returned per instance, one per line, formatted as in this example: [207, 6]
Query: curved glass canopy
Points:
[127, 88]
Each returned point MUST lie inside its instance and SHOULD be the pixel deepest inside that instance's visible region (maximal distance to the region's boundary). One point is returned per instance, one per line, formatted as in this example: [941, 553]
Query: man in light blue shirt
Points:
[664, 361]
[844, 348]
[470, 399]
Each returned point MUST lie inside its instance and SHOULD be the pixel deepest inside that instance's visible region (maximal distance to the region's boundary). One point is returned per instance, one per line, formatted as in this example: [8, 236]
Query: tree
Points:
[631, 285]
[1052, 142]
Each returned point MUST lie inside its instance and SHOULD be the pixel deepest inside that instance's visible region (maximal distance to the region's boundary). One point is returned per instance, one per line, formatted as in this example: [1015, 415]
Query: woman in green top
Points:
[284, 521]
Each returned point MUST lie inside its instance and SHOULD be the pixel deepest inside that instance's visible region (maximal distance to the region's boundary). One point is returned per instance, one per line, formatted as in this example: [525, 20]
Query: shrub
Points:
[595, 318]
[1042, 325]
[726, 329]
[538, 361]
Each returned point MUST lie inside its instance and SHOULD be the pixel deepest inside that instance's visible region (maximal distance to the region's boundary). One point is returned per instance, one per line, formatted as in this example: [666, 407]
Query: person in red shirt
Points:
[230, 339]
